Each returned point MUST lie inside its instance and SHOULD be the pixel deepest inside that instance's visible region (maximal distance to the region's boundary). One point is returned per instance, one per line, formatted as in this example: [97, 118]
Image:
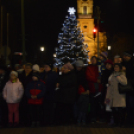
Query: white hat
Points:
[36, 68]
[15, 73]
[116, 56]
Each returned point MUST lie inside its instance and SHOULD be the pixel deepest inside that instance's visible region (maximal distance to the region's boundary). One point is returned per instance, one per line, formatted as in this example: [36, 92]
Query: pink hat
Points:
[69, 66]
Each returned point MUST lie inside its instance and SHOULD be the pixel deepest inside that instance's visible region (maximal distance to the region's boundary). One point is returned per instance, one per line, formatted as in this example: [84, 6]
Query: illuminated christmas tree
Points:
[71, 46]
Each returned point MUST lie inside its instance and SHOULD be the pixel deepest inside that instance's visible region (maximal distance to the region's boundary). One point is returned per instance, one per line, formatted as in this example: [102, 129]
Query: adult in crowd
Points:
[18, 68]
[101, 62]
[116, 100]
[128, 64]
[4, 77]
[35, 92]
[12, 93]
[66, 95]
[36, 68]
[83, 91]
[94, 82]
[104, 80]
[50, 78]
[42, 71]
[25, 78]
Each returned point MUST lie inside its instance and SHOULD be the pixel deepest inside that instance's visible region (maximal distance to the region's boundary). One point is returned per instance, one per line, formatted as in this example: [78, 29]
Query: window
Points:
[85, 10]
[85, 27]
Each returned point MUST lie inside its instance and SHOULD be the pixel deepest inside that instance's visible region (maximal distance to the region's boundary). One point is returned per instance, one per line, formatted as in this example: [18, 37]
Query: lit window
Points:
[85, 10]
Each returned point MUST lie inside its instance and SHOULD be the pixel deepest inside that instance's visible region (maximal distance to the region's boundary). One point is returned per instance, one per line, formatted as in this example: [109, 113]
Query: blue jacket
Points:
[50, 79]
[36, 88]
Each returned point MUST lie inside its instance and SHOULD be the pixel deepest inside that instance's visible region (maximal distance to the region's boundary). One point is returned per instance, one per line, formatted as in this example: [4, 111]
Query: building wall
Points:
[86, 23]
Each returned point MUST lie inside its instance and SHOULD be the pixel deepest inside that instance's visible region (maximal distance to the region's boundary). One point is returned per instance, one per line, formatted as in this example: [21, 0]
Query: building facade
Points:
[86, 22]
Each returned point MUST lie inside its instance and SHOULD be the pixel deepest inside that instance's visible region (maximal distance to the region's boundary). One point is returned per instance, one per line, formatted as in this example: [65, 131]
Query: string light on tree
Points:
[71, 42]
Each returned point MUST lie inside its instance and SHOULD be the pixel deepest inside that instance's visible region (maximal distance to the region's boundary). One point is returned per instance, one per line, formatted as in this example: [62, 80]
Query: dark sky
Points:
[44, 18]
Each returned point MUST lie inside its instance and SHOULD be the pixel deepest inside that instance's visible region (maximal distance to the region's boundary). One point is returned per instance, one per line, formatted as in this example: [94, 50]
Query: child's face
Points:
[13, 77]
[108, 66]
[34, 78]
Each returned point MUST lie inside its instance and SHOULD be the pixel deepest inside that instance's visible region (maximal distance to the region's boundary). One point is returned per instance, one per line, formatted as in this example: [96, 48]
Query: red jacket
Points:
[92, 74]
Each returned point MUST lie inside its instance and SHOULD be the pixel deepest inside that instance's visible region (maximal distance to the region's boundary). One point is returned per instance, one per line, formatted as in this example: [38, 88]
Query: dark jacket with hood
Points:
[68, 88]
[50, 79]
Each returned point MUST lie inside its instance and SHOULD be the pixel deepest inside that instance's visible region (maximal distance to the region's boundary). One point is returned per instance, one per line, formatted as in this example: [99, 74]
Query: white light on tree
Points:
[71, 10]
[109, 47]
[42, 49]
[54, 55]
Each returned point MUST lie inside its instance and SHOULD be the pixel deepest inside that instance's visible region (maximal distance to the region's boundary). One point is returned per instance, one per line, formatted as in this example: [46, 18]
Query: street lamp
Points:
[42, 49]
[109, 47]
[54, 55]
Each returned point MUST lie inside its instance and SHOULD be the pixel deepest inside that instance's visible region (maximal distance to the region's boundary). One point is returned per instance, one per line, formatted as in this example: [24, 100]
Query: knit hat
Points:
[110, 62]
[104, 54]
[118, 64]
[36, 75]
[126, 53]
[49, 64]
[69, 66]
[116, 56]
[36, 68]
[79, 63]
[15, 73]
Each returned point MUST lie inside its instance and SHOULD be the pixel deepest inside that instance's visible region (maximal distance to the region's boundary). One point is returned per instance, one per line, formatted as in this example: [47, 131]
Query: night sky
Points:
[44, 19]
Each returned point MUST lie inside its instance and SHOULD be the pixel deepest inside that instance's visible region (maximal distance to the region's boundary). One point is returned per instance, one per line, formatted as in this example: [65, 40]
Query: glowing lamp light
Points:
[109, 47]
[54, 55]
[94, 30]
[71, 10]
[42, 49]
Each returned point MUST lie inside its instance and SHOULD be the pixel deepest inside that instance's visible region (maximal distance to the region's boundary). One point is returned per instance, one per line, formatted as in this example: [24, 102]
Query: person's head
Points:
[79, 65]
[28, 68]
[127, 56]
[17, 67]
[103, 55]
[48, 67]
[117, 59]
[36, 68]
[2, 69]
[35, 76]
[117, 67]
[109, 64]
[67, 68]
[42, 68]
[13, 75]
[94, 60]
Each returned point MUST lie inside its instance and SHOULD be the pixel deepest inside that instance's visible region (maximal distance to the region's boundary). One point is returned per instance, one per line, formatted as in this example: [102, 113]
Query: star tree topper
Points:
[71, 10]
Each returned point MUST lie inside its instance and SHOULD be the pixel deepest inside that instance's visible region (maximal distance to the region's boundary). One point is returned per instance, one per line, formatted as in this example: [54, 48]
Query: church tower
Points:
[86, 22]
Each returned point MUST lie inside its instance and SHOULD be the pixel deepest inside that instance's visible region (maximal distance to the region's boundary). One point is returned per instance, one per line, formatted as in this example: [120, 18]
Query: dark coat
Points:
[104, 80]
[50, 79]
[36, 88]
[81, 79]
[68, 88]
[25, 80]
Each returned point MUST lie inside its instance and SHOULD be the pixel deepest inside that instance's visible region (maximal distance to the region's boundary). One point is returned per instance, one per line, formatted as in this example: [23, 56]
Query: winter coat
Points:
[13, 92]
[50, 79]
[68, 88]
[35, 88]
[92, 75]
[101, 66]
[116, 99]
[25, 79]
[81, 81]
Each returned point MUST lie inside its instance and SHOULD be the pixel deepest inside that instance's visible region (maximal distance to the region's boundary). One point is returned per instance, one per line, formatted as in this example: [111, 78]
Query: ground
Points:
[72, 129]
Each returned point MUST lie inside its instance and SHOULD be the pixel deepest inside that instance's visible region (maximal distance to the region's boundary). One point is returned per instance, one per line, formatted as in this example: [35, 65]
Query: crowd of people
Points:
[36, 95]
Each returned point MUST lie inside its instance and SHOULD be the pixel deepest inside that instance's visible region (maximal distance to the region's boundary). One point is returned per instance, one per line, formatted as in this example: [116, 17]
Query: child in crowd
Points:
[35, 92]
[12, 93]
